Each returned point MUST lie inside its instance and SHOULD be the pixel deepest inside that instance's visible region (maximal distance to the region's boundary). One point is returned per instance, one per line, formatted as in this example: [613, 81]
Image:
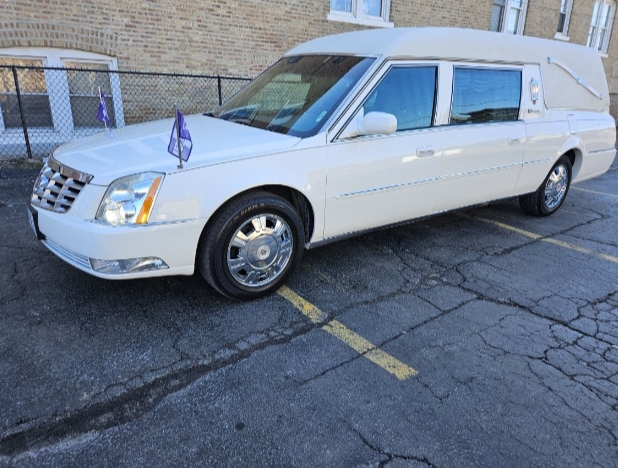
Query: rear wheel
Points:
[552, 192]
[252, 246]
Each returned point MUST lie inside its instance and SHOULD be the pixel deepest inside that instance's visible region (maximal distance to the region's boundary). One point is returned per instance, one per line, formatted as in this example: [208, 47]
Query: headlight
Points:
[129, 200]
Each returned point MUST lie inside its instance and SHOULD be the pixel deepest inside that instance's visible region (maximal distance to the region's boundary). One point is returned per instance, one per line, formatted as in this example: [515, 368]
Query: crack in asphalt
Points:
[541, 238]
[133, 403]
[16, 272]
[391, 456]
[602, 396]
[384, 342]
[121, 402]
[103, 411]
[552, 390]
[565, 324]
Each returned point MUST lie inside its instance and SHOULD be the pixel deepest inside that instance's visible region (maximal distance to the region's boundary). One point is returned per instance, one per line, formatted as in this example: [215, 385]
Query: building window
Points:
[564, 18]
[34, 96]
[601, 25]
[508, 16]
[485, 95]
[58, 98]
[497, 13]
[364, 12]
[84, 93]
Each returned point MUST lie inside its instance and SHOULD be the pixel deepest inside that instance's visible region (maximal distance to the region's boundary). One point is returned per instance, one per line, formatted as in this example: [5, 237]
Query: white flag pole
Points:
[178, 137]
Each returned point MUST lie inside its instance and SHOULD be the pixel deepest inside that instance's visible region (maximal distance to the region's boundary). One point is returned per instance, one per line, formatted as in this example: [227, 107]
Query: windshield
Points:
[297, 95]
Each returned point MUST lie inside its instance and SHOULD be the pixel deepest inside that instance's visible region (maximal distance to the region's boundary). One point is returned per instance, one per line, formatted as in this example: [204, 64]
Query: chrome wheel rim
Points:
[259, 250]
[556, 186]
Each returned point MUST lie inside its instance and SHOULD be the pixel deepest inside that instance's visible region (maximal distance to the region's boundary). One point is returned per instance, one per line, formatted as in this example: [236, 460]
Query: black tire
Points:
[221, 263]
[541, 203]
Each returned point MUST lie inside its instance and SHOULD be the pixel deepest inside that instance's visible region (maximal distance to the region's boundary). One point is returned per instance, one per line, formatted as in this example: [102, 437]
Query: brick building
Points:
[241, 38]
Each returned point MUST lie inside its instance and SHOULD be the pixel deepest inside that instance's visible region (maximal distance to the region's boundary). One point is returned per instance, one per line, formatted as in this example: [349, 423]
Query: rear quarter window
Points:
[485, 95]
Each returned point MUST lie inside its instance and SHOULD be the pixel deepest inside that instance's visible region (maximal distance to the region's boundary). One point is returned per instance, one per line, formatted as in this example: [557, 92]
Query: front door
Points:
[385, 179]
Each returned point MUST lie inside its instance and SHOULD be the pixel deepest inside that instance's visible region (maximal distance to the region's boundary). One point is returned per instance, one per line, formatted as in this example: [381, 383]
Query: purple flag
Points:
[186, 145]
[102, 114]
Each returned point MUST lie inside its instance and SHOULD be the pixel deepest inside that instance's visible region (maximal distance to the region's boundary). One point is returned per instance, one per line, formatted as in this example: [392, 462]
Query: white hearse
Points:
[344, 134]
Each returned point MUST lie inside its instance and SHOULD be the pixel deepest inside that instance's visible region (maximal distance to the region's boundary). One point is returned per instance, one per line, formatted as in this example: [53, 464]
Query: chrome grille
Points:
[58, 186]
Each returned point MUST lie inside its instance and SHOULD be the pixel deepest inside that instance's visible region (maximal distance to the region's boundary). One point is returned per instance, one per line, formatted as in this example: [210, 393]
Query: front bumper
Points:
[76, 241]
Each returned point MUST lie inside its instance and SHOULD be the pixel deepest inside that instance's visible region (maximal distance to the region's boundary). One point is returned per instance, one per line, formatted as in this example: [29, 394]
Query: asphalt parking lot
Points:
[484, 338]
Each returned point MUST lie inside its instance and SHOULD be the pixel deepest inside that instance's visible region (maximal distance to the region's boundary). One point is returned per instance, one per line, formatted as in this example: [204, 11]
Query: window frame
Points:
[508, 7]
[393, 66]
[356, 15]
[375, 77]
[564, 34]
[499, 67]
[3, 126]
[114, 84]
[58, 90]
[595, 26]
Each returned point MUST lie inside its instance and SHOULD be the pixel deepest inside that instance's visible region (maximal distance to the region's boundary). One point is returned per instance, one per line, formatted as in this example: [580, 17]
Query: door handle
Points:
[514, 141]
[425, 151]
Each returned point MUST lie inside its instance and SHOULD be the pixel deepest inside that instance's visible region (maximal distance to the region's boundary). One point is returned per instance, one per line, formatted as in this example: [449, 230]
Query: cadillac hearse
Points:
[343, 135]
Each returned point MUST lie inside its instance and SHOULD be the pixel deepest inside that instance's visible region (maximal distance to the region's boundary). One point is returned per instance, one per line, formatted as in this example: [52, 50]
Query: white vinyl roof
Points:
[561, 89]
[440, 43]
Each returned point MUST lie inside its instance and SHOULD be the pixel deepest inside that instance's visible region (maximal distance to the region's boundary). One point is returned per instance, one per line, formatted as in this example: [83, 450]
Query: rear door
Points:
[484, 138]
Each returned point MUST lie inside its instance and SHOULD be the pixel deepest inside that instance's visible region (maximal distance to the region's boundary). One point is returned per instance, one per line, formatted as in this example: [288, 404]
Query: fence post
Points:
[21, 113]
[219, 85]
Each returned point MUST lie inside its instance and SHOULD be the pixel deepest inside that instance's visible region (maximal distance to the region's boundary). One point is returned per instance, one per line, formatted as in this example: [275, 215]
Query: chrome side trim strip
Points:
[423, 181]
[68, 255]
[535, 161]
[165, 223]
[602, 151]
[385, 188]
[480, 171]
[139, 226]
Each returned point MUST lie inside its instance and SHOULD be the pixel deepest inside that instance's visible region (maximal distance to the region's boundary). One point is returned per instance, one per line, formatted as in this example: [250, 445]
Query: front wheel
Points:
[252, 246]
[552, 192]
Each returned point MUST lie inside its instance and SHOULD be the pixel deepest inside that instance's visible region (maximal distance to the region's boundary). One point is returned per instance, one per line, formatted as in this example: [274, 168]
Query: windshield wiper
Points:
[241, 121]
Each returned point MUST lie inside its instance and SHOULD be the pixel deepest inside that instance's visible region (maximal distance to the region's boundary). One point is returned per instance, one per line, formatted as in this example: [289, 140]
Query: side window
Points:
[409, 94]
[34, 95]
[485, 95]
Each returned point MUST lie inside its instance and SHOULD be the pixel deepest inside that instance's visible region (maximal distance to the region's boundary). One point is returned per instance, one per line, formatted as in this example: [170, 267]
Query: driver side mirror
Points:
[374, 123]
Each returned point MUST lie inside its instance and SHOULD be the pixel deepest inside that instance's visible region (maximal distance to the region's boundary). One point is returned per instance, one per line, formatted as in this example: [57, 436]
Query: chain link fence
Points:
[43, 107]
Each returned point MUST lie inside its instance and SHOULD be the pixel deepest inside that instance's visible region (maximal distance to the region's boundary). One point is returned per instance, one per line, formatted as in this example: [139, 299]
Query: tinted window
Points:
[408, 94]
[485, 95]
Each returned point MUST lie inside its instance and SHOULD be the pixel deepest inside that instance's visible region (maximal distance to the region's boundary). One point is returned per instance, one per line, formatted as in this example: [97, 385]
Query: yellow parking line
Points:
[595, 192]
[583, 250]
[307, 308]
[549, 240]
[529, 234]
[352, 339]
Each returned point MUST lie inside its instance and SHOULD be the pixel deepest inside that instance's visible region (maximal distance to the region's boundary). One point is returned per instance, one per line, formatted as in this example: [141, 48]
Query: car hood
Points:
[143, 147]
